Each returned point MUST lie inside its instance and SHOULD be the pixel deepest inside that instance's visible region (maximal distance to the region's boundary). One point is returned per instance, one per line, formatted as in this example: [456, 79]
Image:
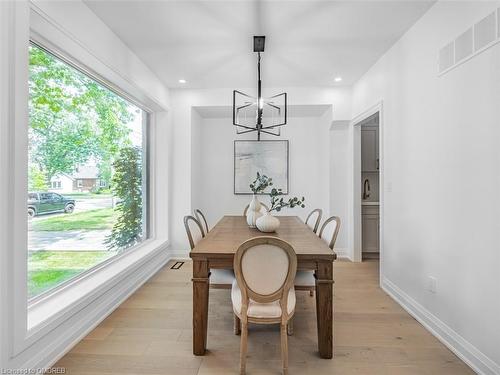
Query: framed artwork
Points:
[269, 158]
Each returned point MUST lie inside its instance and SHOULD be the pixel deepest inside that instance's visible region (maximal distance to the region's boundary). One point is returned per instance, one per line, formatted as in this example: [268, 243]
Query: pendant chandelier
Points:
[258, 114]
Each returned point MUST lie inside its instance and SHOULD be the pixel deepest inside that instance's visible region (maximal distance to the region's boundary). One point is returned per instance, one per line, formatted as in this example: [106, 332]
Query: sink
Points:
[370, 203]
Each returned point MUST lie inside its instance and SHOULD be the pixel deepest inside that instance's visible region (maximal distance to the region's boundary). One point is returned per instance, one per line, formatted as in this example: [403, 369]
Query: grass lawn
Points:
[47, 269]
[102, 218]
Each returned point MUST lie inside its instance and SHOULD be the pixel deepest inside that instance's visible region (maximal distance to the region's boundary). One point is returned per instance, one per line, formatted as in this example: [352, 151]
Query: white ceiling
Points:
[308, 43]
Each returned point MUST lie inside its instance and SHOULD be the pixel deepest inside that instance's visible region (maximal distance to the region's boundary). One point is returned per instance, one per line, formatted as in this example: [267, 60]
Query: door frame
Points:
[355, 232]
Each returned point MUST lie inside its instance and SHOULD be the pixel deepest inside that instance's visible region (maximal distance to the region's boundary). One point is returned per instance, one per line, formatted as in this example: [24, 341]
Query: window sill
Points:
[57, 307]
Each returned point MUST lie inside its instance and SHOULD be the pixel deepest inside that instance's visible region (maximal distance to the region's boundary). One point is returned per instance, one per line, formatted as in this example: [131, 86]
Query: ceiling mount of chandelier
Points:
[258, 114]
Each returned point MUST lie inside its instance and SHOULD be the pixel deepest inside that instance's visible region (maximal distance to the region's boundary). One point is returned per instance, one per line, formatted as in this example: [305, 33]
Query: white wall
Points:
[308, 166]
[88, 32]
[339, 182]
[183, 100]
[198, 153]
[441, 150]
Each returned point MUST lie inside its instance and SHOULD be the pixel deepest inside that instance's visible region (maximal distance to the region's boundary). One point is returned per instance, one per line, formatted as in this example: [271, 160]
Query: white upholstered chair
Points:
[263, 209]
[219, 278]
[263, 292]
[314, 218]
[304, 280]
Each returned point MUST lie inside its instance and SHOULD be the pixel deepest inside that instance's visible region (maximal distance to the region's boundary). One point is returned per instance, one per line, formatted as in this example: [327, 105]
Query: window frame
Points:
[33, 321]
[146, 125]
[54, 324]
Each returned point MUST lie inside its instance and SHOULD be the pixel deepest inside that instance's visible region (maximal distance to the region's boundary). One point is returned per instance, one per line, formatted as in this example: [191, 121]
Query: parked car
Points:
[46, 202]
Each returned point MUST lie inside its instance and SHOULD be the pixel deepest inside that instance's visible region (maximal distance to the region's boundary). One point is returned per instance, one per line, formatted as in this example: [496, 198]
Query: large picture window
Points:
[86, 173]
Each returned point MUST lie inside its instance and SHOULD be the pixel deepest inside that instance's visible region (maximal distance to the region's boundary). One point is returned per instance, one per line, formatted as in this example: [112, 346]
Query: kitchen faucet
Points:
[366, 189]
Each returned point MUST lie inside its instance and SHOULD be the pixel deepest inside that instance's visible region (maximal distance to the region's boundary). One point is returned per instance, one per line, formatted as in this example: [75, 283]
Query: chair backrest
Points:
[194, 230]
[329, 230]
[314, 224]
[264, 207]
[265, 270]
[201, 219]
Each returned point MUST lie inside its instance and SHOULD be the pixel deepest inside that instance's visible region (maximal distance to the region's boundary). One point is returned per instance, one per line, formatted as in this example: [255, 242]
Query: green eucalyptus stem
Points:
[278, 203]
[261, 183]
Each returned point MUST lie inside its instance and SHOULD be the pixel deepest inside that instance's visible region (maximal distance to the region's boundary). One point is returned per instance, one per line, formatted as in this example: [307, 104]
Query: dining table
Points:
[216, 251]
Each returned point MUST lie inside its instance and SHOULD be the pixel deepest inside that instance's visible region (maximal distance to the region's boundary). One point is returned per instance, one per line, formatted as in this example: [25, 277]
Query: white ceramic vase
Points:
[253, 212]
[267, 223]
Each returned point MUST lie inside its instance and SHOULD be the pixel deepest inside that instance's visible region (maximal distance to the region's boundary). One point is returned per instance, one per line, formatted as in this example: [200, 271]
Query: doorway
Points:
[370, 182]
[367, 182]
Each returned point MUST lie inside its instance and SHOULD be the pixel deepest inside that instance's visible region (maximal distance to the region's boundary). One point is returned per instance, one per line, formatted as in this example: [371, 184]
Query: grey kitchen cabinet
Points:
[370, 221]
[369, 145]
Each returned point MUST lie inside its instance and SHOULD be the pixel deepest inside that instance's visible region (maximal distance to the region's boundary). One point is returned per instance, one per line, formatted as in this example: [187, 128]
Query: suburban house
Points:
[61, 183]
[298, 187]
[84, 179]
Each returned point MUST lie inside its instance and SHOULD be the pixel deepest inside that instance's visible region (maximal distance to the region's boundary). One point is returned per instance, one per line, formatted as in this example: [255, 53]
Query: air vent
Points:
[446, 57]
[476, 39]
[485, 32]
[177, 265]
[463, 46]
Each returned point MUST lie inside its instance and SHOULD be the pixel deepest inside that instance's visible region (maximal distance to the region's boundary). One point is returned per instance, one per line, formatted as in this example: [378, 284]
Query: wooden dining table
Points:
[216, 251]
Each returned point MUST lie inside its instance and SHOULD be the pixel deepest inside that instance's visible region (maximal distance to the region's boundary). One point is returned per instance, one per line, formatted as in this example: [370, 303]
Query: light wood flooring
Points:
[151, 334]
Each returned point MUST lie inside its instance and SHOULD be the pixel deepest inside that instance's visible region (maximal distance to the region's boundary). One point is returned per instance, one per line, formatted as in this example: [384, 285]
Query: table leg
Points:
[324, 308]
[200, 306]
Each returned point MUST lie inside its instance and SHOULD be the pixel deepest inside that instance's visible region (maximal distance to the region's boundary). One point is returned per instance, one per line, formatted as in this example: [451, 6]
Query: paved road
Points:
[73, 240]
[82, 205]
[87, 204]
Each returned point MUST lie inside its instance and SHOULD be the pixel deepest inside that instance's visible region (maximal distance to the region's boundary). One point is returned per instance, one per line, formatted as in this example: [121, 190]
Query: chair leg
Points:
[311, 292]
[284, 349]
[243, 348]
[289, 327]
[237, 325]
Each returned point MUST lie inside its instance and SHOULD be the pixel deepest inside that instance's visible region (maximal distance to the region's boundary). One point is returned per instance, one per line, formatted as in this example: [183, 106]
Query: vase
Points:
[253, 212]
[267, 223]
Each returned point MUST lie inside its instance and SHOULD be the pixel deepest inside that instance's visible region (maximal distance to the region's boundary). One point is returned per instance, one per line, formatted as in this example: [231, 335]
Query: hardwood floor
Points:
[151, 334]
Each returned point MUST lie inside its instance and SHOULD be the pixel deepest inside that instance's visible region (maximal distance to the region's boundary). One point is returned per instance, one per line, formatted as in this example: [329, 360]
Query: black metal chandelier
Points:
[258, 114]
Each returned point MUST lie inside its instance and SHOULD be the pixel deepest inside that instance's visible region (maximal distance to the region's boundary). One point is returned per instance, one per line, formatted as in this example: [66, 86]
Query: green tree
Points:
[72, 117]
[105, 172]
[36, 179]
[127, 186]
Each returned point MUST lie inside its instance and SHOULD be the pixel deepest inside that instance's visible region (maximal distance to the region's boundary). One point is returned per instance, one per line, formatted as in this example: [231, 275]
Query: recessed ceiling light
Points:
[338, 79]
[182, 81]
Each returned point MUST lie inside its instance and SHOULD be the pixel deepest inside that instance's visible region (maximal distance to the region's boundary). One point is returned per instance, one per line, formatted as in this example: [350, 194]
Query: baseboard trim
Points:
[182, 255]
[370, 255]
[343, 253]
[467, 352]
[94, 314]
